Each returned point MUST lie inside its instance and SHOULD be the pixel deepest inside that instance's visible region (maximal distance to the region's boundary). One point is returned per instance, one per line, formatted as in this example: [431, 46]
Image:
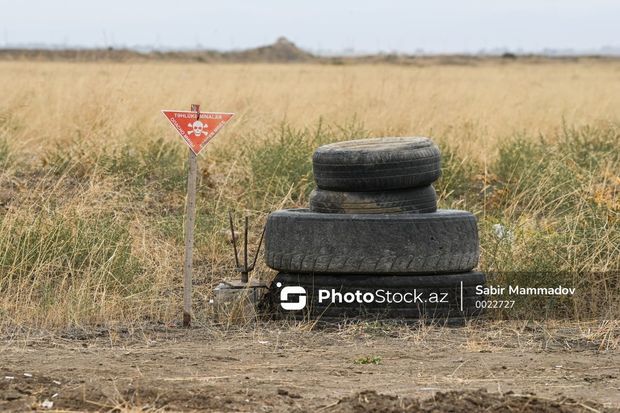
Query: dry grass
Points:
[92, 182]
[474, 107]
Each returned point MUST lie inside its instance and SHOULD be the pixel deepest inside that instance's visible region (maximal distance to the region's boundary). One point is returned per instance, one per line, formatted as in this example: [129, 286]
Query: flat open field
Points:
[92, 195]
[475, 106]
[288, 369]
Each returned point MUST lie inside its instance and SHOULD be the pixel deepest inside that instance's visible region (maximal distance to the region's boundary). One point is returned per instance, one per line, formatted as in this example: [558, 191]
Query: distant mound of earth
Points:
[283, 50]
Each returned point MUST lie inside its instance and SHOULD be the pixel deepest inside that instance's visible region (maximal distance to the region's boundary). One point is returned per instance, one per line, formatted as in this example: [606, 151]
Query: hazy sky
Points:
[317, 25]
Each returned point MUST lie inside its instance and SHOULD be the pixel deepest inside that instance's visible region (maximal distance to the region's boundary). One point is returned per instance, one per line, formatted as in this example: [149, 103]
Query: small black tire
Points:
[299, 240]
[377, 164]
[412, 200]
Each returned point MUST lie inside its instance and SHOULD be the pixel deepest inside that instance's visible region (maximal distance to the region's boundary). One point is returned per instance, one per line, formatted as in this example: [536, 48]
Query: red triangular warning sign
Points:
[197, 131]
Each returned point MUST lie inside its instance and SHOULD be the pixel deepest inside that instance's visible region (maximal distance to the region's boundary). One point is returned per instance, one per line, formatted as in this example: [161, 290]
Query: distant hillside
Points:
[282, 51]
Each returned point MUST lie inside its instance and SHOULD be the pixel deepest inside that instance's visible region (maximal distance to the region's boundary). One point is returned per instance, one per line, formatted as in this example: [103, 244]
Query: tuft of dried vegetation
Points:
[92, 178]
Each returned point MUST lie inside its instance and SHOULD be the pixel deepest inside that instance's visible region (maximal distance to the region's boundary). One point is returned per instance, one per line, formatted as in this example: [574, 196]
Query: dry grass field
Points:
[92, 195]
[475, 107]
[93, 177]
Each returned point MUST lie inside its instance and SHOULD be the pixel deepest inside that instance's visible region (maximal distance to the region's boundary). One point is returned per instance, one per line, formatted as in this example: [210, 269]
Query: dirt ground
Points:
[365, 367]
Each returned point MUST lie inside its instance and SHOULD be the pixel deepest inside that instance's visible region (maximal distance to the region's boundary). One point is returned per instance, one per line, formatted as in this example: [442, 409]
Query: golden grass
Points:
[92, 203]
[471, 106]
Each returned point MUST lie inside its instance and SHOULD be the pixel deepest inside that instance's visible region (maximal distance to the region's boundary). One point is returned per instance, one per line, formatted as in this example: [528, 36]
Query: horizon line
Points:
[606, 50]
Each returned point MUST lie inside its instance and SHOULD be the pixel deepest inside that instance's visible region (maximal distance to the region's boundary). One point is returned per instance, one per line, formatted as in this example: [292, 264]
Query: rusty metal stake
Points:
[246, 269]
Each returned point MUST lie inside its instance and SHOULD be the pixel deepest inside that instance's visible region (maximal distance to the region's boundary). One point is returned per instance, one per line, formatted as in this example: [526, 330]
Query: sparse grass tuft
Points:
[156, 162]
[280, 166]
[458, 186]
[368, 360]
[5, 153]
[61, 266]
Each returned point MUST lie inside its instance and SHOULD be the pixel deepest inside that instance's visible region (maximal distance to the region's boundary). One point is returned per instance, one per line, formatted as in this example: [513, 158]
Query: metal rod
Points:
[260, 242]
[244, 273]
[234, 238]
[245, 269]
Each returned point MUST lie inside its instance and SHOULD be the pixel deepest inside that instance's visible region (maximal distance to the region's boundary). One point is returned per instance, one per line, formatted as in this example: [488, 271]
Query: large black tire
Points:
[413, 200]
[453, 302]
[376, 164]
[298, 240]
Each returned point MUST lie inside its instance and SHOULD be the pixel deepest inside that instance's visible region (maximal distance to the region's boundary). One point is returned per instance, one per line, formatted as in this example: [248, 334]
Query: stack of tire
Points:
[373, 224]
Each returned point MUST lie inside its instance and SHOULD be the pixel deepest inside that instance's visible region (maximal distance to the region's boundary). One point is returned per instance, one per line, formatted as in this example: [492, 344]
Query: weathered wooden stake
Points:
[190, 218]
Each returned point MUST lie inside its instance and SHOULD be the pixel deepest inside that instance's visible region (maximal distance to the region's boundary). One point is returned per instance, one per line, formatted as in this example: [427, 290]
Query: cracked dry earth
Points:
[359, 368]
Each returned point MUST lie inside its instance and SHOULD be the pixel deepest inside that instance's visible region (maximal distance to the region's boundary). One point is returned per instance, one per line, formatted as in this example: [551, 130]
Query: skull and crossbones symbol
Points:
[197, 128]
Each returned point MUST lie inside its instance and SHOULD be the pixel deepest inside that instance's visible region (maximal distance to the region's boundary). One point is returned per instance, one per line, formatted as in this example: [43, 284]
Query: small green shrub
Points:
[158, 162]
[282, 164]
[368, 360]
[555, 178]
[591, 147]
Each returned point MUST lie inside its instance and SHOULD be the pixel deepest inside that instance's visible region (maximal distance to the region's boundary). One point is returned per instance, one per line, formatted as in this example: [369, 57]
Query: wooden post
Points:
[190, 218]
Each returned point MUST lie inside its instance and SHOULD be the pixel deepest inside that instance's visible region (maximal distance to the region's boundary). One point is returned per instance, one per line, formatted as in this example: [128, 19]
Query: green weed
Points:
[368, 360]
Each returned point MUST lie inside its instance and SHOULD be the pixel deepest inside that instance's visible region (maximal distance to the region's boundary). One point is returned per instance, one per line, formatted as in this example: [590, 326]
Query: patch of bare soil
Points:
[363, 368]
[461, 401]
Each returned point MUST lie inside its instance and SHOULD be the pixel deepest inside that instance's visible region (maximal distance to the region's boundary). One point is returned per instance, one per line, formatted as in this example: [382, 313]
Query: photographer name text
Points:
[518, 290]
